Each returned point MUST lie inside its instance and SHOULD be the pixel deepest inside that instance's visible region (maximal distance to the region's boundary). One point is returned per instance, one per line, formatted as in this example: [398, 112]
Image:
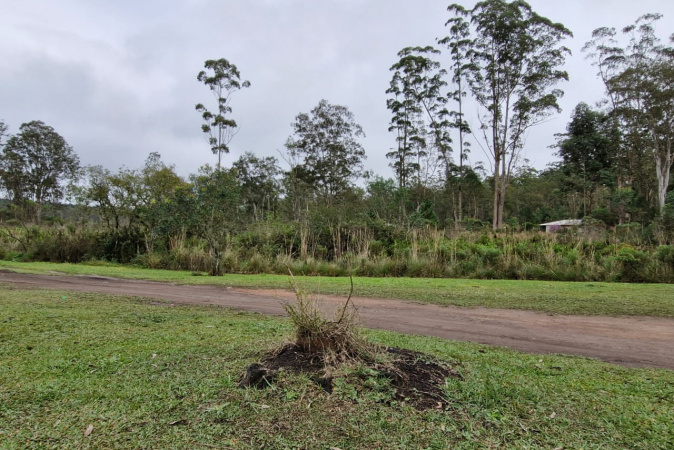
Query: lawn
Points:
[609, 299]
[92, 371]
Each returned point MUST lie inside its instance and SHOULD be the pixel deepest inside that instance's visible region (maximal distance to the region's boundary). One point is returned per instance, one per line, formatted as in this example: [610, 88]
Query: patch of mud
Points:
[419, 378]
[97, 278]
[293, 359]
[415, 378]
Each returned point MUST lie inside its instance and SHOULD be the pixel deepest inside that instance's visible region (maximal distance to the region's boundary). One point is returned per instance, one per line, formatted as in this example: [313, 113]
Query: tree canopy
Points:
[36, 164]
[513, 65]
[325, 144]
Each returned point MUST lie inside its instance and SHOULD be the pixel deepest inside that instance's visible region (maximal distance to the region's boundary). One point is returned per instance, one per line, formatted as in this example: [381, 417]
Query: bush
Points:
[632, 262]
[65, 244]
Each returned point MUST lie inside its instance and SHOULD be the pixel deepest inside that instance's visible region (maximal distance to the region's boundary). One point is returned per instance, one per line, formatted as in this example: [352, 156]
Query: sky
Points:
[118, 80]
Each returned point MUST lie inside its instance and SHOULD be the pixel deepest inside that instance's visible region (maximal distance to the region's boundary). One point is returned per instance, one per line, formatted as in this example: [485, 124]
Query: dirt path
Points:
[630, 341]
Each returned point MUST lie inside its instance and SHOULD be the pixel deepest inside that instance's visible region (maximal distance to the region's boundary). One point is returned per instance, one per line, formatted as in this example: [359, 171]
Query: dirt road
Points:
[630, 341]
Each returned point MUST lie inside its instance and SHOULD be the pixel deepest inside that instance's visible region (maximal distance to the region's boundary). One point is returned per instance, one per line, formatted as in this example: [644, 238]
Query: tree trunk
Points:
[337, 242]
[304, 244]
[460, 206]
[662, 172]
[497, 200]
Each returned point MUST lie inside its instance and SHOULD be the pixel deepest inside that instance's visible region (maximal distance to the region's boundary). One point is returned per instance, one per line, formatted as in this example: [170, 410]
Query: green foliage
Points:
[424, 215]
[419, 116]
[35, 165]
[324, 150]
[637, 76]
[212, 208]
[260, 187]
[512, 62]
[632, 262]
[588, 157]
[665, 254]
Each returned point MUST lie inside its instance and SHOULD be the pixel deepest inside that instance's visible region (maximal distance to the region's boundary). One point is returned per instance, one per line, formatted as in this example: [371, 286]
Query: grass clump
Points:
[337, 340]
[336, 356]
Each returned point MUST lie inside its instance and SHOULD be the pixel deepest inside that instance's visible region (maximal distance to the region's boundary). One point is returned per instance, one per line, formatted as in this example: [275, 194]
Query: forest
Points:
[316, 211]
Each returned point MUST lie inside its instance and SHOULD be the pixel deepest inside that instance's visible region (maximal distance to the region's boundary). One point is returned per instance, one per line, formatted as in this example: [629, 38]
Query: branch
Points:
[341, 317]
[6, 231]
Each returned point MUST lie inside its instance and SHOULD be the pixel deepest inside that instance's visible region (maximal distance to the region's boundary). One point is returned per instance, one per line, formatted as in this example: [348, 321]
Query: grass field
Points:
[92, 371]
[610, 299]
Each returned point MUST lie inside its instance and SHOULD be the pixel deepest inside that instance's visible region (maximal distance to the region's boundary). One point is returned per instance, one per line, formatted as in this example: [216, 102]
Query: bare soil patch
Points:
[414, 378]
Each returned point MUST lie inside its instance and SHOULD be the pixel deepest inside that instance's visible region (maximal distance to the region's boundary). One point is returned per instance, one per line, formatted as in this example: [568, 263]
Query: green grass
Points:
[153, 376]
[554, 297]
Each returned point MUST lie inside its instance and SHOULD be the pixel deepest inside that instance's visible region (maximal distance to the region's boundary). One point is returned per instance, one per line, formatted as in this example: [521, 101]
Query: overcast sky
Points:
[117, 79]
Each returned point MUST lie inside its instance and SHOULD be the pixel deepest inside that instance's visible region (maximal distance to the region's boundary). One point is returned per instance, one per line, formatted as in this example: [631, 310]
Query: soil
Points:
[630, 341]
[415, 378]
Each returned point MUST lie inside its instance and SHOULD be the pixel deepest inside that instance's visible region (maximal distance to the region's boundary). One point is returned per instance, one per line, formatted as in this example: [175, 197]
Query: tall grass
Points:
[625, 253]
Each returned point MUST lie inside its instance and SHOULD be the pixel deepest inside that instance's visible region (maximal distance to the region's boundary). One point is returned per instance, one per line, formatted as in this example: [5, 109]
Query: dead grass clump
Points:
[334, 354]
[337, 340]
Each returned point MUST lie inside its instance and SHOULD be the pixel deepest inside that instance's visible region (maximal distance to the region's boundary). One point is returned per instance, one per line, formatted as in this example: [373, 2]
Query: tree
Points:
[223, 79]
[324, 145]
[35, 165]
[128, 200]
[587, 158]
[381, 199]
[419, 114]
[3, 132]
[639, 80]
[514, 67]
[213, 208]
[458, 42]
[158, 183]
[260, 186]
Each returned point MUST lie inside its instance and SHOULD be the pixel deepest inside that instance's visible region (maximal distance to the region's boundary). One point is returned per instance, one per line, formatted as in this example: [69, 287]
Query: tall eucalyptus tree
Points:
[458, 42]
[515, 58]
[419, 115]
[639, 81]
[223, 79]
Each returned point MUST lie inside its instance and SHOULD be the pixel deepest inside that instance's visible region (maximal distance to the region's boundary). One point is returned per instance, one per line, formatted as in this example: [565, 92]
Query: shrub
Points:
[665, 254]
[632, 262]
[257, 264]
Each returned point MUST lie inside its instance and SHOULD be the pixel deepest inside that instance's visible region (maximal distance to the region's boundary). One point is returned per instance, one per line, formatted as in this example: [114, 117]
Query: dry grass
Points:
[337, 340]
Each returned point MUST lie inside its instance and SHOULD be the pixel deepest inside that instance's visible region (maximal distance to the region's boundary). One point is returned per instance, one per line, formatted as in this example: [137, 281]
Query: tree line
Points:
[317, 201]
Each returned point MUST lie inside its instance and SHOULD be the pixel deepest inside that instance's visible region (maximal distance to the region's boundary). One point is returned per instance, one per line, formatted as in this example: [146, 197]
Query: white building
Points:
[561, 225]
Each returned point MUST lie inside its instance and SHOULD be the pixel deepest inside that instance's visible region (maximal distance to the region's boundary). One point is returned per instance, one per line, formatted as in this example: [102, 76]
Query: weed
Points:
[338, 340]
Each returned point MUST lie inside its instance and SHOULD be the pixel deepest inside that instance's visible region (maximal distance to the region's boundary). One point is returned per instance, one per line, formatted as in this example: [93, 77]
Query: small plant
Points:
[338, 340]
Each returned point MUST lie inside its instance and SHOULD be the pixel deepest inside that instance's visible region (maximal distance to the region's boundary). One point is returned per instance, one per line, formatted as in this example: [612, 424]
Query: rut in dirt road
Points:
[630, 341]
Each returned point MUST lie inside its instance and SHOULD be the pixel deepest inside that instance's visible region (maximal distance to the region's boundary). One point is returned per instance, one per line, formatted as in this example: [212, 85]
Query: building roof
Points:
[567, 222]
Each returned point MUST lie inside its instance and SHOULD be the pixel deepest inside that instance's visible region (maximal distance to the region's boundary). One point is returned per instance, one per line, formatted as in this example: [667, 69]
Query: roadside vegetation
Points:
[625, 254]
[95, 371]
